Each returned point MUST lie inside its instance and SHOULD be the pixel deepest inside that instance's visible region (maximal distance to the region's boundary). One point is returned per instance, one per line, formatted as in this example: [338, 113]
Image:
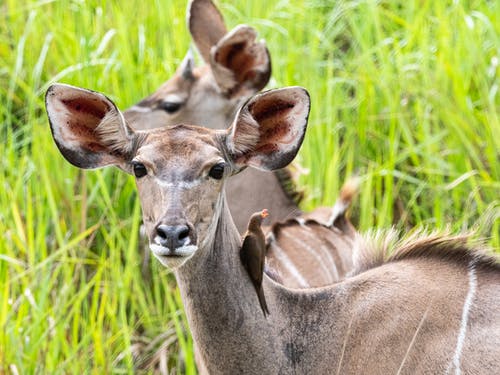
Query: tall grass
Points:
[404, 93]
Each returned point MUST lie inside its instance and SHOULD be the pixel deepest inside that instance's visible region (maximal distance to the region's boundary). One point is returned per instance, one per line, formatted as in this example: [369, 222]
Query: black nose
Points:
[173, 236]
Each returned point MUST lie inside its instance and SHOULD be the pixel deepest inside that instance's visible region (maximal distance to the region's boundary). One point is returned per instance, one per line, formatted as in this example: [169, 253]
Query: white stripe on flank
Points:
[339, 367]
[328, 269]
[412, 342]
[465, 318]
[287, 263]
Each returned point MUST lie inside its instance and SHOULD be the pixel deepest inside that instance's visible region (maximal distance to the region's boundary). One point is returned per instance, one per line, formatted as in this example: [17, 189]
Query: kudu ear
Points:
[206, 25]
[269, 129]
[241, 65]
[87, 127]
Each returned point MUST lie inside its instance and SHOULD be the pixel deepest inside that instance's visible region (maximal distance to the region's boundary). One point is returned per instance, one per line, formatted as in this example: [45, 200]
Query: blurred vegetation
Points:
[404, 94]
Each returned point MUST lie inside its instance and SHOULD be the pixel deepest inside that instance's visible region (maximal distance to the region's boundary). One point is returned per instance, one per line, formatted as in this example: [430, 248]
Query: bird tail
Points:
[262, 301]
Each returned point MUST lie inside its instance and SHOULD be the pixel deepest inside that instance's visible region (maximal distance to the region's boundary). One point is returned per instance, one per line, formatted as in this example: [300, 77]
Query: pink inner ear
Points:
[241, 59]
[82, 116]
[240, 63]
[270, 128]
[275, 125]
[89, 106]
[270, 107]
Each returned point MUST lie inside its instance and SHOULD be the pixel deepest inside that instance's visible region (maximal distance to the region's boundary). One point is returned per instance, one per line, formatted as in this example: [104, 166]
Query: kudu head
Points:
[236, 66]
[180, 171]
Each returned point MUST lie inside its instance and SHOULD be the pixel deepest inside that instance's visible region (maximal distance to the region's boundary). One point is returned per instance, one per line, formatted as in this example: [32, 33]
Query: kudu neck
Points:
[218, 255]
[220, 302]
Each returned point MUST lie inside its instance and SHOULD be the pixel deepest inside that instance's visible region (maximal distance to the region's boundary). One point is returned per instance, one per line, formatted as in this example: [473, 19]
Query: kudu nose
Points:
[173, 236]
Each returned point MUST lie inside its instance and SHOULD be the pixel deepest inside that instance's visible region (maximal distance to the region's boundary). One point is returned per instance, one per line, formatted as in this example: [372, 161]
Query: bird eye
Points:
[139, 169]
[217, 171]
[170, 107]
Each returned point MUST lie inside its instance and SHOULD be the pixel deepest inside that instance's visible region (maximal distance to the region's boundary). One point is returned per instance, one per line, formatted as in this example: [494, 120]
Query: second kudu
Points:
[237, 66]
[430, 307]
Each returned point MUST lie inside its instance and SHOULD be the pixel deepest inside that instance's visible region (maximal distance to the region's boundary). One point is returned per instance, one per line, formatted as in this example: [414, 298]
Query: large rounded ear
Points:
[269, 129]
[87, 127]
[241, 64]
[206, 25]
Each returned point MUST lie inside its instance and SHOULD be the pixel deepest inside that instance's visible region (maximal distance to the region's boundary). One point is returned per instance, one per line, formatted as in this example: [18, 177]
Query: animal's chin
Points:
[173, 259]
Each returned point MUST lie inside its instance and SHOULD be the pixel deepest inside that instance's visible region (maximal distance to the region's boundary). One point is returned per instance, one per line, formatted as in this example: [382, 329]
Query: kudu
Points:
[237, 66]
[430, 307]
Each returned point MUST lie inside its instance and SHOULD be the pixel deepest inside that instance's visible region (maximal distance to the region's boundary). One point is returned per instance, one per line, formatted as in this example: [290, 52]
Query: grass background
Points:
[404, 93]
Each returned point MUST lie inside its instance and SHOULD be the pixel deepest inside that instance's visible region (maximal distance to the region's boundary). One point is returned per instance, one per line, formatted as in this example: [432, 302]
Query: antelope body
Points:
[313, 249]
[431, 307]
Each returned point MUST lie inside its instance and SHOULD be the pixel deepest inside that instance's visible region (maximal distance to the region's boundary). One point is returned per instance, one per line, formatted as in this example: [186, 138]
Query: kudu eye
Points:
[170, 107]
[139, 169]
[217, 171]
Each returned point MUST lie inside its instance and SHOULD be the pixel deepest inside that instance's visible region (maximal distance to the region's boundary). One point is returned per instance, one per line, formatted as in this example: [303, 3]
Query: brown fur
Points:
[203, 104]
[289, 184]
[252, 189]
[379, 247]
[211, 94]
[433, 308]
[325, 253]
[206, 25]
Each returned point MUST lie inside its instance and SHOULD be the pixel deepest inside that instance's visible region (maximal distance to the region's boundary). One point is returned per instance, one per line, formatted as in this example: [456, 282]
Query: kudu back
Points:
[425, 305]
[237, 65]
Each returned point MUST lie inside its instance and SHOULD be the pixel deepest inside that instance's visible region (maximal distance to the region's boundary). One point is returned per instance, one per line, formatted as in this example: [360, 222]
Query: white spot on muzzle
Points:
[173, 259]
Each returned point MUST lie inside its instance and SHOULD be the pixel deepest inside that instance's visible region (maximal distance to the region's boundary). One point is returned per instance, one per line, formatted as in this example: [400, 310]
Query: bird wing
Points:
[251, 256]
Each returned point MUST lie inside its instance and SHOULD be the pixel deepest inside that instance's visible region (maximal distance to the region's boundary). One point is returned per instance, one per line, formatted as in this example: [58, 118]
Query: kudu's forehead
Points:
[177, 85]
[198, 101]
[180, 150]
